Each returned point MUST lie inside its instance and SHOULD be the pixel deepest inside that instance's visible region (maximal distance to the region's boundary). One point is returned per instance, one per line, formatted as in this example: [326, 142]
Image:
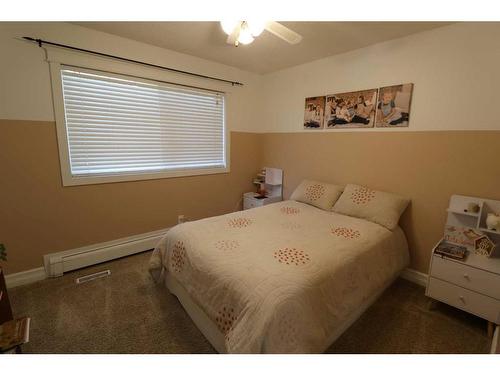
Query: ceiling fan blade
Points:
[233, 37]
[283, 32]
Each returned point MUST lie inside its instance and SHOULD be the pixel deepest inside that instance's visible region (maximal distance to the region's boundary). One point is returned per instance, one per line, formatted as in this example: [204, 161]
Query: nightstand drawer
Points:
[475, 303]
[468, 277]
[251, 203]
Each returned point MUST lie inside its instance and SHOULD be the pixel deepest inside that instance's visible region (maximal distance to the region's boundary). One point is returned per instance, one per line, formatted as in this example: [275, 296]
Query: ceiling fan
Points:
[245, 32]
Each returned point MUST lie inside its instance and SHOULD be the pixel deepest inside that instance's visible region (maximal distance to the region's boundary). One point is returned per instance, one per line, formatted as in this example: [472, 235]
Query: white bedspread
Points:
[280, 278]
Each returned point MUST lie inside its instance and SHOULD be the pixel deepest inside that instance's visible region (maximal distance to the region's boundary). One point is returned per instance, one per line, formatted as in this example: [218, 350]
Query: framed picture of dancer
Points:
[393, 107]
[314, 112]
[351, 109]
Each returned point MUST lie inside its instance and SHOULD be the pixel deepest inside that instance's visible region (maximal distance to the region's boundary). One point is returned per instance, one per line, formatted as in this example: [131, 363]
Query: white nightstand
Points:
[270, 180]
[250, 200]
[473, 284]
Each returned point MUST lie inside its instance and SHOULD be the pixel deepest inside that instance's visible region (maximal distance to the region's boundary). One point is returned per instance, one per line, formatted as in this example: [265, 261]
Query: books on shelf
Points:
[451, 250]
[463, 236]
[13, 333]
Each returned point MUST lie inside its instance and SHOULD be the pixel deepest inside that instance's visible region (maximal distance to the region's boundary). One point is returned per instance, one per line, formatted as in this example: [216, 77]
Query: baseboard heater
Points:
[58, 263]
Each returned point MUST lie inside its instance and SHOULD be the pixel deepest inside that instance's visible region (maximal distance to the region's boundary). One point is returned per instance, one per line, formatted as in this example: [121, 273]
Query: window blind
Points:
[123, 125]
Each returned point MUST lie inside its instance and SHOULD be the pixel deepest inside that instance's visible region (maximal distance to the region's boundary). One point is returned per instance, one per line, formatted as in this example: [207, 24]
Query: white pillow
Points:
[318, 194]
[376, 206]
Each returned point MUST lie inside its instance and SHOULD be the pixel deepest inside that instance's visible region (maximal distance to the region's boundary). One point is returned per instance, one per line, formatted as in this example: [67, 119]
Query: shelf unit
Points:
[272, 184]
[463, 213]
[486, 230]
[458, 216]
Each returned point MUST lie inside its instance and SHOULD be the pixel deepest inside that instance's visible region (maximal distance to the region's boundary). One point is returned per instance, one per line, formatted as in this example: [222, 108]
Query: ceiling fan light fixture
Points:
[244, 32]
[229, 26]
[245, 36]
[256, 27]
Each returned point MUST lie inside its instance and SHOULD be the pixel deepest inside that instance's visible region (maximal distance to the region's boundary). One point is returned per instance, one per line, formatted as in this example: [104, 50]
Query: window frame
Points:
[68, 179]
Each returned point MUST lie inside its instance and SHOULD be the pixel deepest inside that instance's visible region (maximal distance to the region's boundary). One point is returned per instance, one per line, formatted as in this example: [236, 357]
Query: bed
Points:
[282, 278]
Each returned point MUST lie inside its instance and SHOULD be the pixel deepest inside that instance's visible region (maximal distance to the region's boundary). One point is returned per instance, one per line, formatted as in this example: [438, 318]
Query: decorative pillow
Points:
[318, 194]
[377, 206]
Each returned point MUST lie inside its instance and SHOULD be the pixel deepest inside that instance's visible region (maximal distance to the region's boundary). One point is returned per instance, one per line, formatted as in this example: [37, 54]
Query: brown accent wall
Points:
[427, 167]
[39, 216]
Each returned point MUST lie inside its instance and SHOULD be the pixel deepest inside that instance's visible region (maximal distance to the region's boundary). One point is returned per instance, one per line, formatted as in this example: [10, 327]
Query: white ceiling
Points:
[267, 53]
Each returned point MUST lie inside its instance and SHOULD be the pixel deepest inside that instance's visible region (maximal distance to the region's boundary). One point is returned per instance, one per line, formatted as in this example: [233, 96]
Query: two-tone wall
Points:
[427, 167]
[37, 214]
[451, 147]
[452, 144]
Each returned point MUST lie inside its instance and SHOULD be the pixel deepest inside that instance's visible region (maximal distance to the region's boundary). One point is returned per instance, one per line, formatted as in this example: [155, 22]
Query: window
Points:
[120, 128]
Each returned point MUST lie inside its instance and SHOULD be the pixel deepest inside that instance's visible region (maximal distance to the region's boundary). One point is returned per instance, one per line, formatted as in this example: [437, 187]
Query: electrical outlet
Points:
[181, 219]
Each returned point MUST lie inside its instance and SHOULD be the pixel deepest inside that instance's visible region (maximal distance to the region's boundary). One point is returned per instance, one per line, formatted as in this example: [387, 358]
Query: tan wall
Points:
[427, 167]
[39, 216]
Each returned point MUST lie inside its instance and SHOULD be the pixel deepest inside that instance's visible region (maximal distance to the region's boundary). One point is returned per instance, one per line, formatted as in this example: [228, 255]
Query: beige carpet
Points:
[128, 313]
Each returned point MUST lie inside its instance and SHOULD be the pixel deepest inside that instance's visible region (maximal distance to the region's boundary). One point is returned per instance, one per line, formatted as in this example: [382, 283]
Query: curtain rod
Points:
[41, 42]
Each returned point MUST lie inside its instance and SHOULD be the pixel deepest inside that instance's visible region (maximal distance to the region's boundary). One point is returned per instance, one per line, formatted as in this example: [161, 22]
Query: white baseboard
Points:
[414, 276]
[58, 263]
[25, 277]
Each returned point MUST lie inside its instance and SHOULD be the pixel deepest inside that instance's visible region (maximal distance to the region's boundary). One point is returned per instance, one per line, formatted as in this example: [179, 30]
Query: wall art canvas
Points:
[393, 107]
[314, 112]
[351, 109]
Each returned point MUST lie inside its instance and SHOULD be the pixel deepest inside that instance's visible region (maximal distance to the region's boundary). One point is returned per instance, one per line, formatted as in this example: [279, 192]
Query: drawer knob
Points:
[466, 276]
[462, 299]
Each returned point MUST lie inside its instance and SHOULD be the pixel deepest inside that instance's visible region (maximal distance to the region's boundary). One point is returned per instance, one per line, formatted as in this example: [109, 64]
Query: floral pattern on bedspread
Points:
[239, 262]
[291, 256]
[225, 319]
[178, 255]
[227, 245]
[239, 222]
[347, 233]
[289, 210]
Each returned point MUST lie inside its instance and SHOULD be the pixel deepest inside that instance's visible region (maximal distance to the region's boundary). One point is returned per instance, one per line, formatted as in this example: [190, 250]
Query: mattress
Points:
[282, 278]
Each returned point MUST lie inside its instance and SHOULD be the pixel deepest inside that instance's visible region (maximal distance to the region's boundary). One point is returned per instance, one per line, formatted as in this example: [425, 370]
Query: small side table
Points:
[13, 333]
[471, 285]
[5, 308]
[250, 200]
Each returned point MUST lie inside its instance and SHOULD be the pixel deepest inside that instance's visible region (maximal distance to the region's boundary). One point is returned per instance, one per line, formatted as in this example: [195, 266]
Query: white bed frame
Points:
[200, 319]
[216, 338]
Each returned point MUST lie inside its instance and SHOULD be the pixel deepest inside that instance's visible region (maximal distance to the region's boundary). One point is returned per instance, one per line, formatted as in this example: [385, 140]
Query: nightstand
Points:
[250, 200]
[471, 284]
[270, 182]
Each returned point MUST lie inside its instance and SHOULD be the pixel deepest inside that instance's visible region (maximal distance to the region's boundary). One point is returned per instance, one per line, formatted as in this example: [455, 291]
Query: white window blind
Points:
[121, 125]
